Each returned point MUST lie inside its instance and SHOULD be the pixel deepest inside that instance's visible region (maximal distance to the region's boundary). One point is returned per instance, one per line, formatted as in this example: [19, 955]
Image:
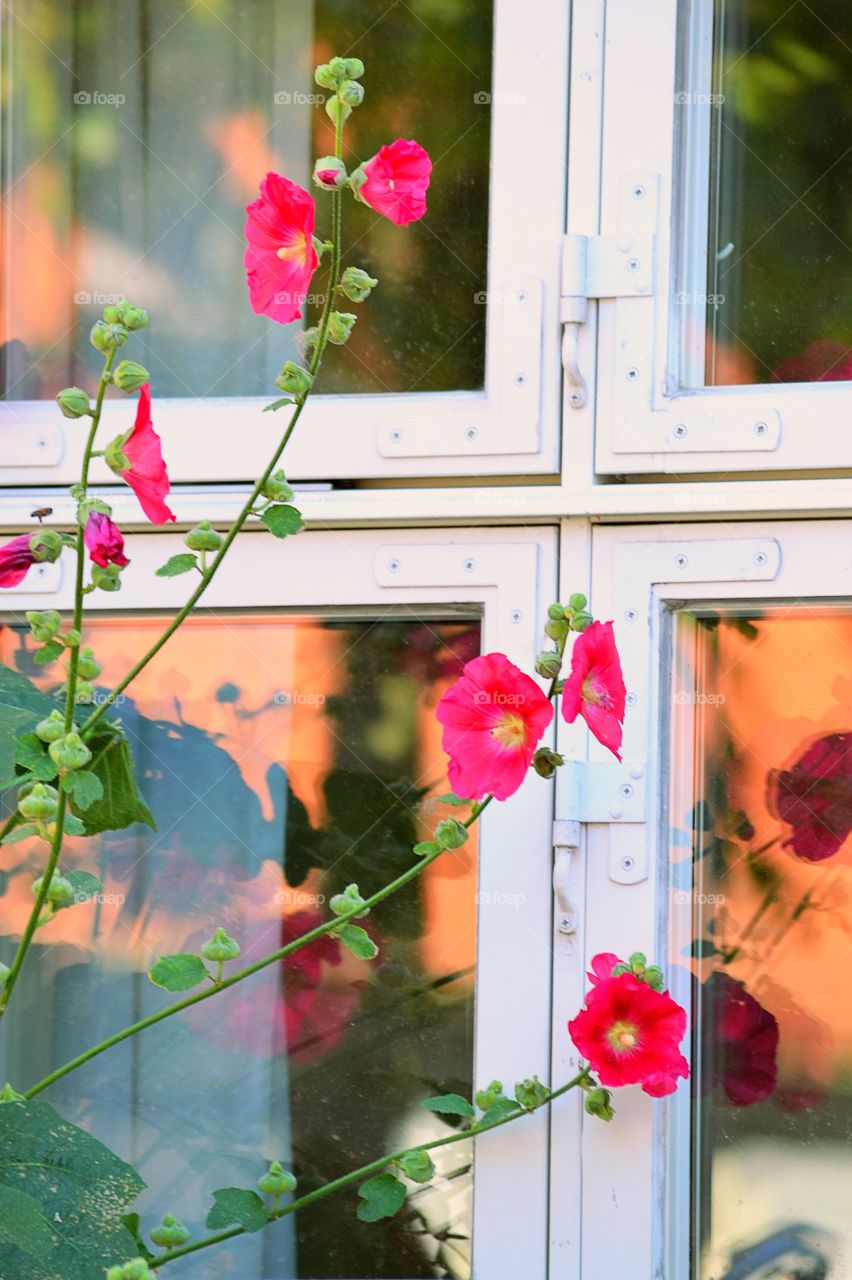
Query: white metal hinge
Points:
[607, 266]
[598, 791]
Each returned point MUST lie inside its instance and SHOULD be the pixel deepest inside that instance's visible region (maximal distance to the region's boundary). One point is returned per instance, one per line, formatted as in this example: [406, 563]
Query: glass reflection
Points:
[762, 887]
[131, 148]
[309, 765]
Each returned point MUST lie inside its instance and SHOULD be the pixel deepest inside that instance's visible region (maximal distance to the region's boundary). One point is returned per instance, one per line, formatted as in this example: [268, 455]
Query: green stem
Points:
[367, 1170]
[35, 917]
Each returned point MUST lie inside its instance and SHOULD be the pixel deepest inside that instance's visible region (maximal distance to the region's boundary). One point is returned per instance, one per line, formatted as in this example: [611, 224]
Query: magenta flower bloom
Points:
[16, 557]
[815, 797]
[493, 718]
[595, 688]
[631, 1034]
[744, 1041]
[397, 181]
[138, 458]
[104, 540]
[280, 258]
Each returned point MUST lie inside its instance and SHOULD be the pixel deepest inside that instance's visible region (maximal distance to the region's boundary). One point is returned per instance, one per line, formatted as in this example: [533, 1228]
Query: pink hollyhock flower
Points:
[104, 540]
[823, 361]
[595, 688]
[280, 258]
[744, 1041]
[138, 458]
[815, 797]
[397, 181]
[493, 718]
[16, 557]
[631, 1034]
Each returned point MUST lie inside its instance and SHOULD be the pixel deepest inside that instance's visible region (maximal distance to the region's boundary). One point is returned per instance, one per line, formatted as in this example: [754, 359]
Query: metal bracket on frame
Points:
[611, 266]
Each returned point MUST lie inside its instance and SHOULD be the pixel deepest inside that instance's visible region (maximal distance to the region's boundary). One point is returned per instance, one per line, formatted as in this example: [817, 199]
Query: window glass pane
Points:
[761, 816]
[308, 768]
[772, 126]
[132, 143]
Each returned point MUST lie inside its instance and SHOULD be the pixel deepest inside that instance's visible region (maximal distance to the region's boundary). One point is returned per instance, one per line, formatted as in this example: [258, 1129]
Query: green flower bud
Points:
[599, 1103]
[340, 326]
[637, 963]
[85, 692]
[351, 92]
[7, 1093]
[44, 625]
[450, 833]
[353, 68]
[356, 284]
[276, 488]
[52, 728]
[548, 664]
[137, 1269]
[74, 402]
[203, 537]
[556, 630]
[577, 601]
[294, 379]
[72, 638]
[325, 76]
[307, 341]
[620, 968]
[60, 891]
[221, 947]
[341, 903]
[655, 977]
[132, 317]
[40, 804]
[329, 172]
[338, 112]
[582, 621]
[356, 179]
[107, 337]
[107, 577]
[276, 1181]
[87, 665]
[170, 1233]
[69, 752]
[486, 1098]
[546, 762]
[556, 612]
[130, 376]
[531, 1093]
[46, 544]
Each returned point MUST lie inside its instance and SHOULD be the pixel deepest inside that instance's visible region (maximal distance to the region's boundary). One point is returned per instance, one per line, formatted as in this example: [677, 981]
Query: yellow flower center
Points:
[298, 249]
[510, 730]
[592, 693]
[623, 1036]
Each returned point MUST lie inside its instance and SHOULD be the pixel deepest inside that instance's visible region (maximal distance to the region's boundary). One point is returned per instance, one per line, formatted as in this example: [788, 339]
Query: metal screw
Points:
[631, 699]
[630, 615]
[471, 433]
[41, 442]
[679, 430]
[393, 566]
[469, 565]
[633, 264]
[516, 615]
[628, 862]
[681, 562]
[760, 428]
[760, 558]
[638, 191]
[626, 790]
[632, 374]
[576, 398]
[395, 436]
[520, 379]
[522, 297]
[41, 570]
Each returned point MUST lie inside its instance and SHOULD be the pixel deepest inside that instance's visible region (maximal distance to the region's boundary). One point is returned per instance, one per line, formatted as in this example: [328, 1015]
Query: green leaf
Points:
[80, 1187]
[85, 786]
[121, 803]
[132, 1223]
[449, 1104]
[499, 1109]
[23, 832]
[701, 949]
[177, 564]
[425, 846]
[22, 705]
[453, 799]
[282, 520]
[23, 1224]
[30, 754]
[73, 826]
[85, 885]
[278, 404]
[48, 653]
[234, 1207]
[358, 941]
[416, 1165]
[179, 973]
[383, 1196]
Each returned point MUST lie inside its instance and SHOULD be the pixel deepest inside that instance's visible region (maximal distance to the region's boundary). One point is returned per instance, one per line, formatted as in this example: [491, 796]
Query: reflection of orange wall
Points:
[782, 689]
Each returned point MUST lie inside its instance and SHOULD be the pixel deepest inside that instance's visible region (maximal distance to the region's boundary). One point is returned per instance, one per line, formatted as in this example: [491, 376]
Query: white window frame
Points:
[511, 576]
[511, 427]
[645, 422]
[632, 1196]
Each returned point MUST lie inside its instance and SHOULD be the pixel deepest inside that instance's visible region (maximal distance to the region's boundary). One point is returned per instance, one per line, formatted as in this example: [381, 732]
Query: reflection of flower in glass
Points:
[629, 1033]
[815, 797]
[823, 361]
[429, 654]
[744, 1041]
